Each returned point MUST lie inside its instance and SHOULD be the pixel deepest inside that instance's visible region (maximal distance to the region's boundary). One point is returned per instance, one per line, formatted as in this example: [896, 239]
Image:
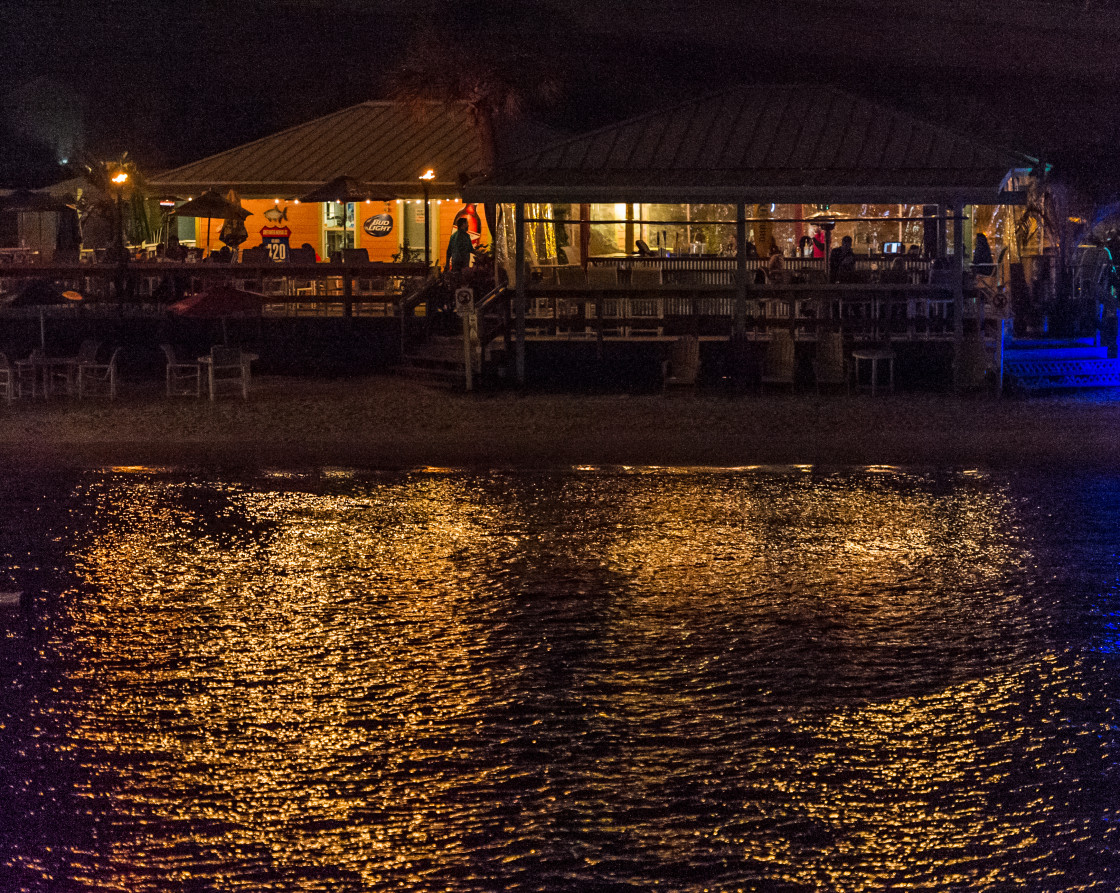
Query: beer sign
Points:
[378, 225]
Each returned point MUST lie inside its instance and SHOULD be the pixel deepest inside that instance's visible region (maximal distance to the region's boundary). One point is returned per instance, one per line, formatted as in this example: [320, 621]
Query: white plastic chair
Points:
[96, 379]
[7, 380]
[228, 371]
[183, 379]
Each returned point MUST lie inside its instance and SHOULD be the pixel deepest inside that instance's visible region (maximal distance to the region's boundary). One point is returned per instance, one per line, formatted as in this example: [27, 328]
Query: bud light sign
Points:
[379, 225]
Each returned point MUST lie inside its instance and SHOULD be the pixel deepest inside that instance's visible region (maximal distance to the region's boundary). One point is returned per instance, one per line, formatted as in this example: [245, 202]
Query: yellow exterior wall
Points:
[379, 248]
[306, 224]
[304, 220]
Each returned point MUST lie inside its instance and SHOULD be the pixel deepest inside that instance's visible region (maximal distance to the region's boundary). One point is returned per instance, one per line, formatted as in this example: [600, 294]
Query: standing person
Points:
[818, 243]
[460, 248]
[842, 263]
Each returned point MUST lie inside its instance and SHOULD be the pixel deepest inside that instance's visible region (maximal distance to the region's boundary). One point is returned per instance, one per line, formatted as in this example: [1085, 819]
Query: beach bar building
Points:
[403, 164]
[664, 224]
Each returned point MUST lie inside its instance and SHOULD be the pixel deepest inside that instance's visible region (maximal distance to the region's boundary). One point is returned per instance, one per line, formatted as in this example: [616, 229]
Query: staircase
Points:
[438, 356]
[438, 360]
[1060, 363]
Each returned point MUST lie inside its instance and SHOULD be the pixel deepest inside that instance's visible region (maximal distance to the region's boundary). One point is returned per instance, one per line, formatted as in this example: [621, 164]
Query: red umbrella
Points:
[219, 302]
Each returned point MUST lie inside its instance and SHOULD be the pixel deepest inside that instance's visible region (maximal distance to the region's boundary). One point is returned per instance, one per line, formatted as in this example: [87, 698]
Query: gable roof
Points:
[748, 143]
[380, 143]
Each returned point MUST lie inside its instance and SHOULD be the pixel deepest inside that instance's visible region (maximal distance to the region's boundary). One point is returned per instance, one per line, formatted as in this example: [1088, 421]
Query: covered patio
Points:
[663, 225]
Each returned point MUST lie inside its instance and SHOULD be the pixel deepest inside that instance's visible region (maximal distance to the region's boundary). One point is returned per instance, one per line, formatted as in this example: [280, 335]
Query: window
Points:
[338, 226]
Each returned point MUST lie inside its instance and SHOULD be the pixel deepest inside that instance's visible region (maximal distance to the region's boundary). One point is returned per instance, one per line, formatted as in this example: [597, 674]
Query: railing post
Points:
[520, 301]
[347, 295]
[958, 279]
[739, 327]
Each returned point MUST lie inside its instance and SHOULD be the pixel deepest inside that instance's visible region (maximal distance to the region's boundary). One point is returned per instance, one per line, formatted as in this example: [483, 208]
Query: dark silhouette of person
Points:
[982, 261]
[842, 262]
[459, 247]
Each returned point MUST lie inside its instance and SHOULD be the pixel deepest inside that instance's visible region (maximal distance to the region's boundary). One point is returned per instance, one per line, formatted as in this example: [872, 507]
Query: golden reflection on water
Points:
[371, 675]
[224, 608]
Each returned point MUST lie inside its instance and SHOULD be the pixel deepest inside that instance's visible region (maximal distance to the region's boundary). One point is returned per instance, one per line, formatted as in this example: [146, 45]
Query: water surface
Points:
[777, 679]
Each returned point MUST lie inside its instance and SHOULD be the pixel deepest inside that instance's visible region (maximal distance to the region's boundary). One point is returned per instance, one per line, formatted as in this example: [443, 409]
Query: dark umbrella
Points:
[233, 230]
[219, 302]
[26, 200]
[42, 293]
[346, 190]
[211, 205]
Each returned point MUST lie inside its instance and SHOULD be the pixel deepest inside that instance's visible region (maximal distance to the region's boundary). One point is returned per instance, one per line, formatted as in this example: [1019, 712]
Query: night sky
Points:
[173, 81]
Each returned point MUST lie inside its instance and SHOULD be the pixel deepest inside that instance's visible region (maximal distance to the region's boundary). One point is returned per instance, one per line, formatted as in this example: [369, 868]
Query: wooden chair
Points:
[599, 275]
[829, 366]
[571, 276]
[228, 371]
[355, 256]
[184, 379]
[778, 362]
[96, 379]
[645, 276]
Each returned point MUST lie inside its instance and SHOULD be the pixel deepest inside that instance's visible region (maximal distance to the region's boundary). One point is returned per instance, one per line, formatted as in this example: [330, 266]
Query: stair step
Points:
[1054, 353]
[1059, 373]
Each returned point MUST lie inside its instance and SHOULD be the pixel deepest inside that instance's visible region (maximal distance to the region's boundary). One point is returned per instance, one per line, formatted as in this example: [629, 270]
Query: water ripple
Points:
[781, 679]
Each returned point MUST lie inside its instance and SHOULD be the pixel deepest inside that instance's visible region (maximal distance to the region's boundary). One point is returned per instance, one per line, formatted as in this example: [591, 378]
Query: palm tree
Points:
[119, 193]
[493, 90]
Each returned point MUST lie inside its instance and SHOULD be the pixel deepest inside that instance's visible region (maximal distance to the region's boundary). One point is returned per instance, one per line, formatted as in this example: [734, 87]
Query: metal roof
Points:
[751, 143]
[380, 143]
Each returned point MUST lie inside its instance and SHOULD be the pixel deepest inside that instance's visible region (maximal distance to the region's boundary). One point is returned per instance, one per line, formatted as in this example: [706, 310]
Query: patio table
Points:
[45, 369]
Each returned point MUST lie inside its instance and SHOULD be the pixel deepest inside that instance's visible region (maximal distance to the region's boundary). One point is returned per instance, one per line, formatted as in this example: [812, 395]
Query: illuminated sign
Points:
[379, 225]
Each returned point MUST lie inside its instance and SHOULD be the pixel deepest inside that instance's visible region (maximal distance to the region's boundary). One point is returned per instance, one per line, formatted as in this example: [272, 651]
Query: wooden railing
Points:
[314, 286]
[871, 311]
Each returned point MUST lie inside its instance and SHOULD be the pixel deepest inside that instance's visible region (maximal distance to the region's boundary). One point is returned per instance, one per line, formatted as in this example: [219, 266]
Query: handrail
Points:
[497, 297]
[409, 302]
[491, 297]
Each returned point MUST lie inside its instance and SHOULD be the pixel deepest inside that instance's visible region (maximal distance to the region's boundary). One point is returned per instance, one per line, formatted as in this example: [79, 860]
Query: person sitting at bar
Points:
[842, 262]
[982, 261]
[776, 265]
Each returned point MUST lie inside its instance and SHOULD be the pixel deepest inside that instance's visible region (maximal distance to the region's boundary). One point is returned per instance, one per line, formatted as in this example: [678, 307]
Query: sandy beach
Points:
[386, 422]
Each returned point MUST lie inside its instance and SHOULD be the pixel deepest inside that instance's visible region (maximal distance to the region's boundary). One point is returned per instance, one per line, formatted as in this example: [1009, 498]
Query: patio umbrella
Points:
[219, 302]
[211, 205]
[346, 190]
[233, 230]
[42, 293]
[26, 200]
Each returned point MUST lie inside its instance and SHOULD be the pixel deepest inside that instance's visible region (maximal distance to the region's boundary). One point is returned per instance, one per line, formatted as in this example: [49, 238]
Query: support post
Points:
[957, 268]
[520, 298]
[739, 328]
[468, 358]
[347, 295]
[427, 228]
[958, 271]
[584, 233]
